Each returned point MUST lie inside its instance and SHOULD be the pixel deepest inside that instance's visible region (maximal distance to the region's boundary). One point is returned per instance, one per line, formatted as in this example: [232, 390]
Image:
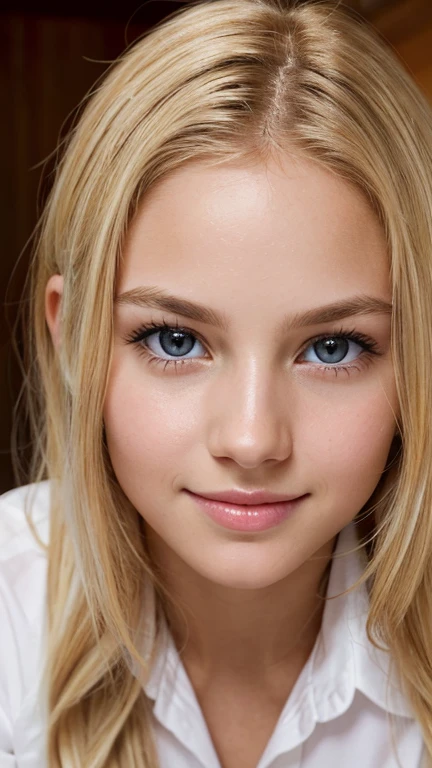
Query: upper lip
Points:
[248, 497]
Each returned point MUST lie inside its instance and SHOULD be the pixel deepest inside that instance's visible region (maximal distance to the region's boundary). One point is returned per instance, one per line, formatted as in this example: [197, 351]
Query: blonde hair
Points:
[231, 79]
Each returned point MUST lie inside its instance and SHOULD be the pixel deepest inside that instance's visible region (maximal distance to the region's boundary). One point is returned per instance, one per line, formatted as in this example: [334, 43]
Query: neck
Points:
[240, 633]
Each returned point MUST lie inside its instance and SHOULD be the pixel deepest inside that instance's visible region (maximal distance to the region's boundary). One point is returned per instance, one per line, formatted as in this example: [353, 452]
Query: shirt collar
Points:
[343, 641]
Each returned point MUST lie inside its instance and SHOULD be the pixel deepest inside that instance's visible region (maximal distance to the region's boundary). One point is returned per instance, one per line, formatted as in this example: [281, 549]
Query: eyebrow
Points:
[156, 298]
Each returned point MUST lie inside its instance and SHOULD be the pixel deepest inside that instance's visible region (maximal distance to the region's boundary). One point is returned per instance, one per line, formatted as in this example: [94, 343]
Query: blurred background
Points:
[51, 53]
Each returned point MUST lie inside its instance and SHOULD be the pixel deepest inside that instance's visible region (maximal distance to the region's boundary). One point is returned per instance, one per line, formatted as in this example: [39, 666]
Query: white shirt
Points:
[336, 716]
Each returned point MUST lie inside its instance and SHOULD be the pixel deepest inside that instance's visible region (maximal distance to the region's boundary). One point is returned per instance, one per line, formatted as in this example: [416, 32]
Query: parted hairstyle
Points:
[217, 81]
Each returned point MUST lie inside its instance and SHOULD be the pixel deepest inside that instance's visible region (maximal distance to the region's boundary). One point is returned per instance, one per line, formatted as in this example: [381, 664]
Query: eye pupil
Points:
[331, 350]
[330, 346]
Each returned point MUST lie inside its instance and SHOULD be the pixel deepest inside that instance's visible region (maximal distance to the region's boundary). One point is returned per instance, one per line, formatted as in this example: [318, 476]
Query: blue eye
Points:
[333, 349]
[341, 352]
[173, 341]
[168, 340]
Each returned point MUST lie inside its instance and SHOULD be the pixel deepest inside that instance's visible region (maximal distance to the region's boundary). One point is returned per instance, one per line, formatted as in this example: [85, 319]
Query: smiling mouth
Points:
[247, 517]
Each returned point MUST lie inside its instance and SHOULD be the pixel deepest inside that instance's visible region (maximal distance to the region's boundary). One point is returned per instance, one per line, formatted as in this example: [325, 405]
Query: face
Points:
[273, 396]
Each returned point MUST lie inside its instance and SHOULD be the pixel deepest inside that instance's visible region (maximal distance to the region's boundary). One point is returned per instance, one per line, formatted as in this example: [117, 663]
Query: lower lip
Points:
[242, 517]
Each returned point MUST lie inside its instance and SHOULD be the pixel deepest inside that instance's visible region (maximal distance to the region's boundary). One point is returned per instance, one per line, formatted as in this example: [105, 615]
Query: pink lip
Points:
[247, 517]
[247, 497]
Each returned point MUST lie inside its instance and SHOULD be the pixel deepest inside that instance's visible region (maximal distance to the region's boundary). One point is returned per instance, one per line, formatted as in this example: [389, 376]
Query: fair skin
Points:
[253, 407]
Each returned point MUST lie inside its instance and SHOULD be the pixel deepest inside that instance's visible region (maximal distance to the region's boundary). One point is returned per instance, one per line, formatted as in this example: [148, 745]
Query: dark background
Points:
[50, 55]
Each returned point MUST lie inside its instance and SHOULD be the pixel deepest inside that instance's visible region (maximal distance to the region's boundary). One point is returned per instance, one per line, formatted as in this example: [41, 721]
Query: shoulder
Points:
[23, 558]
[23, 567]
[15, 532]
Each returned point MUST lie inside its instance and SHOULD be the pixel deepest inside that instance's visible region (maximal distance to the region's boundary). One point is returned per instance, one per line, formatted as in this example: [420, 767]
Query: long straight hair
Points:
[217, 81]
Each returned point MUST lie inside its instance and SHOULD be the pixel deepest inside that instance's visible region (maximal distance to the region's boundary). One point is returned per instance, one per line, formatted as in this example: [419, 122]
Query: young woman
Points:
[223, 554]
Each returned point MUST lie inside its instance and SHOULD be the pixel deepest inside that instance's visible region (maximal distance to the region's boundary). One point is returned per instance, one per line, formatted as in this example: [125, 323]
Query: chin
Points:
[250, 577]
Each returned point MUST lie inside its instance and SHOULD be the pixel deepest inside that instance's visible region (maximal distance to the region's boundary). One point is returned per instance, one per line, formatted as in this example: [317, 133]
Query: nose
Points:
[249, 419]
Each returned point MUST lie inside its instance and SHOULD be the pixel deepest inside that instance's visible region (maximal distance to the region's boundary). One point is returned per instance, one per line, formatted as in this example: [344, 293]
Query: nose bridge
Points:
[250, 420]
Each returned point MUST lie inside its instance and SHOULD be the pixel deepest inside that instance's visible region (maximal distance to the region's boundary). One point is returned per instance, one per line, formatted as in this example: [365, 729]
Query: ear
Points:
[53, 295]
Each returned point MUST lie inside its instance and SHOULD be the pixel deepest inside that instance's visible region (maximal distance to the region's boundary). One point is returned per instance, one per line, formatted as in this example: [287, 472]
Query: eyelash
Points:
[370, 347]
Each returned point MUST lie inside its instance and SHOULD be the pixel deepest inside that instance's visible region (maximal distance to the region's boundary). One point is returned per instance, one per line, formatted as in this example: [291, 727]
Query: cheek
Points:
[352, 444]
[147, 431]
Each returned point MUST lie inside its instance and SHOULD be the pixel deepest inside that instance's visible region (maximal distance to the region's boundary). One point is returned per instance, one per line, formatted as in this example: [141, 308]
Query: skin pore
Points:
[252, 406]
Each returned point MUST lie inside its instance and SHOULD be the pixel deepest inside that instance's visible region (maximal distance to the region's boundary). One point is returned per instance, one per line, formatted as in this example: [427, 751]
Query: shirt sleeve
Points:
[22, 606]
[7, 758]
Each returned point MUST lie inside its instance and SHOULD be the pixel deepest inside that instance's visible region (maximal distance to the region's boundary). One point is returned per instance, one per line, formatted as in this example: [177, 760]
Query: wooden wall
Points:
[46, 66]
[407, 26]
[416, 51]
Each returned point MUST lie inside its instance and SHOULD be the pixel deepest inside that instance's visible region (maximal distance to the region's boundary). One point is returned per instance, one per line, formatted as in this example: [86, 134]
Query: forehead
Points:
[285, 229]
